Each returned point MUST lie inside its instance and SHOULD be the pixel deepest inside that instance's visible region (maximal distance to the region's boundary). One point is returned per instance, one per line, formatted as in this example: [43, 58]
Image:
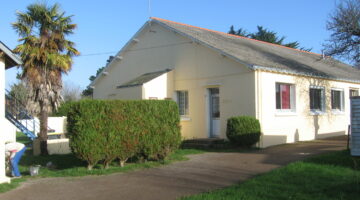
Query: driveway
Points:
[203, 172]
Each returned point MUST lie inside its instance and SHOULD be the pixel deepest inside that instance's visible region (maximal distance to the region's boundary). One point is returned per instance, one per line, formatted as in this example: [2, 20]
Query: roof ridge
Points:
[238, 36]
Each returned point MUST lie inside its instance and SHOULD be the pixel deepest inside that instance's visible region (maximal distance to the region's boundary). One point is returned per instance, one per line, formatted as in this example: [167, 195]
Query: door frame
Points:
[208, 111]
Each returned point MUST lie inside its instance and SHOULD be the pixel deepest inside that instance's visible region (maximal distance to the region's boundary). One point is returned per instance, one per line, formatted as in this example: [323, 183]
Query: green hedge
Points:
[101, 130]
[243, 130]
[63, 109]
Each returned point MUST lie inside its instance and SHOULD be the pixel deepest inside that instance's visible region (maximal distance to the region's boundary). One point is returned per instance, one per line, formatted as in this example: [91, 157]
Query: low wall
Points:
[56, 123]
[55, 146]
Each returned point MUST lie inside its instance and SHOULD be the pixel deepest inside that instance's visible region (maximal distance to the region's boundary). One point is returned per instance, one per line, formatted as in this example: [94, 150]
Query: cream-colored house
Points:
[7, 60]
[296, 95]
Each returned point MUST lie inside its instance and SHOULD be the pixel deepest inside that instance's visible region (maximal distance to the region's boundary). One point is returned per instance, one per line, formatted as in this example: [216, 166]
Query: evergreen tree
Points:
[266, 35]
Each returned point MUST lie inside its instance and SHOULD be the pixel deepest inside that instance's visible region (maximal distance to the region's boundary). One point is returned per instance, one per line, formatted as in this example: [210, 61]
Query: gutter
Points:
[14, 58]
[290, 72]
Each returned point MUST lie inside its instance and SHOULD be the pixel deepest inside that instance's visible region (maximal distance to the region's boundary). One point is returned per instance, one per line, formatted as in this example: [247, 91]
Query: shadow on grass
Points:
[59, 161]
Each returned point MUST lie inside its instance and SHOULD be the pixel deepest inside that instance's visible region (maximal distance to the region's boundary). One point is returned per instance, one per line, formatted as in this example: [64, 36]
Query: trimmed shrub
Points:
[102, 130]
[63, 109]
[243, 130]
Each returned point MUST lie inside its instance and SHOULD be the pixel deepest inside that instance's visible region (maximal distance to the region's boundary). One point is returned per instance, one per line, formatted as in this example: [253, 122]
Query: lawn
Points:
[329, 176]
[69, 165]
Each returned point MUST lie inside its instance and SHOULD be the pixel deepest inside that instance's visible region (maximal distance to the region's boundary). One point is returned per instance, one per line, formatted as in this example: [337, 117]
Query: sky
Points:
[105, 26]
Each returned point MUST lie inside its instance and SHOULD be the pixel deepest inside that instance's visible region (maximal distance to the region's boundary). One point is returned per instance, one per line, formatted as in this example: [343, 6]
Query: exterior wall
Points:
[10, 131]
[126, 93]
[204, 68]
[196, 68]
[54, 146]
[160, 87]
[301, 125]
[2, 120]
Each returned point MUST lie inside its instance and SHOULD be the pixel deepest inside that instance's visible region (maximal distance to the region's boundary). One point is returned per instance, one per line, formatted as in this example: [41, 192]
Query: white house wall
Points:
[3, 178]
[286, 127]
[196, 68]
[158, 87]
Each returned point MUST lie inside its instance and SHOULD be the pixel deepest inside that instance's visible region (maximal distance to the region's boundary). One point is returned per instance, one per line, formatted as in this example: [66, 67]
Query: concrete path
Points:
[203, 172]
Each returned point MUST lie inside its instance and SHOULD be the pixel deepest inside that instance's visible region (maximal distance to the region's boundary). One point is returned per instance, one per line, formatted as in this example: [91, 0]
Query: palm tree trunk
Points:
[43, 130]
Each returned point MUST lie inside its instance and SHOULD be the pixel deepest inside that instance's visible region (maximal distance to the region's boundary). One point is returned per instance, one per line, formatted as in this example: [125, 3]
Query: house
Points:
[7, 60]
[296, 95]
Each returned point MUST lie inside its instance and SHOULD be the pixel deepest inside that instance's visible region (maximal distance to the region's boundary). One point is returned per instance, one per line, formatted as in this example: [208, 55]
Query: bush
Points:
[109, 130]
[243, 130]
[63, 109]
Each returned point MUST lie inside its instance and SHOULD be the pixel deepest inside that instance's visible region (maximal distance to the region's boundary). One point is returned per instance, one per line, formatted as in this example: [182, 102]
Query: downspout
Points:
[258, 100]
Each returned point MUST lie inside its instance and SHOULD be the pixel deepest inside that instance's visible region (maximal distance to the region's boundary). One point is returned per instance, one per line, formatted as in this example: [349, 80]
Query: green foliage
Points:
[266, 35]
[46, 53]
[107, 130]
[344, 25]
[63, 109]
[321, 177]
[243, 130]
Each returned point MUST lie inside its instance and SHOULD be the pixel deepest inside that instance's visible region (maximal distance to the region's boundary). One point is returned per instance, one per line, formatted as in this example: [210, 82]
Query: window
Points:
[317, 100]
[183, 102]
[285, 96]
[337, 99]
[354, 92]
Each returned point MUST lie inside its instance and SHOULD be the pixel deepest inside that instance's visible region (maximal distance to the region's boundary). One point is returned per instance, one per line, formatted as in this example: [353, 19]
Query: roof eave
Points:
[271, 69]
[204, 44]
[11, 59]
[120, 52]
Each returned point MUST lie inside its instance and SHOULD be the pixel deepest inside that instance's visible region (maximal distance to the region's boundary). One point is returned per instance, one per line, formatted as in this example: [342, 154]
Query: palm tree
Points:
[46, 55]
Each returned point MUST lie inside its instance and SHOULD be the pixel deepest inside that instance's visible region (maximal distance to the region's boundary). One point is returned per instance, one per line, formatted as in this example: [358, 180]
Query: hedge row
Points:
[101, 130]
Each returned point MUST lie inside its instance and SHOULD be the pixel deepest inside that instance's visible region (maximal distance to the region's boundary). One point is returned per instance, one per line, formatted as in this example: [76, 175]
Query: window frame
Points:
[342, 100]
[322, 99]
[353, 89]
[186, 102]
[292, 94]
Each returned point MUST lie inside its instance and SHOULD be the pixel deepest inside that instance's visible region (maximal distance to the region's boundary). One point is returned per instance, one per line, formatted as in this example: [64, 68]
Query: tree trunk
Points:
[106, 165]
[43, 131]
[122, 162]
[90, 167]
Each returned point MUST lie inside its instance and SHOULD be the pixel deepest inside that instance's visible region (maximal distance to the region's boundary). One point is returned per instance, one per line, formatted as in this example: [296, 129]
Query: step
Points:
[204, 141]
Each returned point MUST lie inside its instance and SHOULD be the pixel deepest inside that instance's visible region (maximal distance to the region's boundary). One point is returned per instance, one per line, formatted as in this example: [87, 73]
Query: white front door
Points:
[214, 108]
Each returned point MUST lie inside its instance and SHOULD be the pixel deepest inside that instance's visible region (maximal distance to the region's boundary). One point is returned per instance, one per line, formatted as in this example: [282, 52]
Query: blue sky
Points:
[105, 26]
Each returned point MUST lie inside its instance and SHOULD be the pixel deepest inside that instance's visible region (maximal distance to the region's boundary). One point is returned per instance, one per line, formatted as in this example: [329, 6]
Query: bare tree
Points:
[344, 24]
[71, 92]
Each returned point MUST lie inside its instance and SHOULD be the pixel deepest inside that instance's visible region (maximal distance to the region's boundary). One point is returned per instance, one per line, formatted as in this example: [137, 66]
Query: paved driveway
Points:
[203, 172]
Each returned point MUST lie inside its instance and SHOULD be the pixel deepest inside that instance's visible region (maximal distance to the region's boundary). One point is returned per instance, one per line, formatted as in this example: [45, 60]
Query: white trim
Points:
[285, 113]
[187, 111]
[289, 72]
[317, 112]
[342, 101]
[185, 118]
[323, 101]
[292, 98]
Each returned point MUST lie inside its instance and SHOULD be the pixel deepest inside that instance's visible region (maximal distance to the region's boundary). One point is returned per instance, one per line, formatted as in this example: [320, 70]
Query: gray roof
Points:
[262, 55]
[10, 58]
[143, 79]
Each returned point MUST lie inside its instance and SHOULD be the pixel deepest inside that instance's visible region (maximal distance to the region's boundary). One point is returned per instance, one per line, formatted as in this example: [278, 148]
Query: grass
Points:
[70, 166]
[330, 176]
